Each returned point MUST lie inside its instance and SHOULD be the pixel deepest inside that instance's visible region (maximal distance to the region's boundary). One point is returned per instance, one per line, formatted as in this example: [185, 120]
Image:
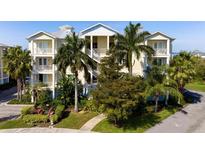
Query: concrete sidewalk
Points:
[88, 126]
[193, 121]
[43, 130]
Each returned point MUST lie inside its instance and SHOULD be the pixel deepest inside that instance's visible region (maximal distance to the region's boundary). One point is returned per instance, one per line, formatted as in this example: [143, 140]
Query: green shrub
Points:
[54, 118]
[35, 119]
[26, 110]
[89, 106]
[55, 102]
[59, 111]
[15, 101]
[26, 97]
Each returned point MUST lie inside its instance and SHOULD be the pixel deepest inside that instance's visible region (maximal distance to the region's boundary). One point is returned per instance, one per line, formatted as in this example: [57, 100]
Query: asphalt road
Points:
[192, 120]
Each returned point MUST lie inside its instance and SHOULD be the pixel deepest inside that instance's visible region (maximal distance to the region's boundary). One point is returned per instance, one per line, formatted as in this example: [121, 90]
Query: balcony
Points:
[160, 52]
[43, 51]
[43, 68]
[47, 84]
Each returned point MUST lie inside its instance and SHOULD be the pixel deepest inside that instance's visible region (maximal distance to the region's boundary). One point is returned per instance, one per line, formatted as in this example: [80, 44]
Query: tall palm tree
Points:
[133, 42]
[168, 86]
[70, 55]
[183, 68]
[17, 63]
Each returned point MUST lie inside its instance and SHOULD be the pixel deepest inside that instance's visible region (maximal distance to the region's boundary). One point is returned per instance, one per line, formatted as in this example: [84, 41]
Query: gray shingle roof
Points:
[200, 53]
[3, 45]
[61, 34]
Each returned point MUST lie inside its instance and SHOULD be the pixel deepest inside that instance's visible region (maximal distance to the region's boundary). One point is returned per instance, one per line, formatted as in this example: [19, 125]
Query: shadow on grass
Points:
[148, 120]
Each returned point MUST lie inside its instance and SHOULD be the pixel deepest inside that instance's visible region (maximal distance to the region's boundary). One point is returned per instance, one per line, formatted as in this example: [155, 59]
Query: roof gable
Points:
[99, 29]
[160, 34]
[40, 32]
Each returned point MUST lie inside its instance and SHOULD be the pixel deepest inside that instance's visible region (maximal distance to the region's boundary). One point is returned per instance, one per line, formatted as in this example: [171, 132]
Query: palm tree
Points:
[70, 55]
[133, 42]
[182, 68]
[17, 63]
[167, 87]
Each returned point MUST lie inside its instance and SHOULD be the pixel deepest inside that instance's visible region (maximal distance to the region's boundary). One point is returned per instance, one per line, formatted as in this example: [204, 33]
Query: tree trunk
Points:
[20, 98]
[130, 63]
[18, 89]
[156, 104]
[167, 97]
[76, 93]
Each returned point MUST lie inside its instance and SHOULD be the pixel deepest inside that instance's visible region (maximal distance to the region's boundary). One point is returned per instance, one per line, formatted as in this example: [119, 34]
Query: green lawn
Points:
[135, 124]
[76, 120]
[197, 86]
[13, 124]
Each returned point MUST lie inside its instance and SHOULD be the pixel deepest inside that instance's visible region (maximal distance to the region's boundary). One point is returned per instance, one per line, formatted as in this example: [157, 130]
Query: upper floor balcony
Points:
[160, 47]
[43, 68]
[43, 64]
[160, 52]
[97, 46]
[43, 51]
[43, 47]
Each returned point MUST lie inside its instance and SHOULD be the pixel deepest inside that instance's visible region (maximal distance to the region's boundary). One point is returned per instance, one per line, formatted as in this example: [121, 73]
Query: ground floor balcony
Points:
[43, 68]
[43, 64]
[46, 79]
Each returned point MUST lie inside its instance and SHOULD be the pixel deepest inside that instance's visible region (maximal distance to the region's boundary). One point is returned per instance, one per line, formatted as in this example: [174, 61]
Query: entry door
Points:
[40, 77]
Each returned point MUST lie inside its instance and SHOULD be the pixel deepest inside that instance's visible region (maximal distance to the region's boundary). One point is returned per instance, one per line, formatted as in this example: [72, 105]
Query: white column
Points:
[53, 81]
[32, 47]
[108, 42]
[53, 69]
[91, 45]
[32, 75]
[168, 51]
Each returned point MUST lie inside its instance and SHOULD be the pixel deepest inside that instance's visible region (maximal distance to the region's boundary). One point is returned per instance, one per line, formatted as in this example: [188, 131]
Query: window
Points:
[44, 61]
[160, 61]
[43, 45]
[40, 61]
[155, 45]
[160, 45]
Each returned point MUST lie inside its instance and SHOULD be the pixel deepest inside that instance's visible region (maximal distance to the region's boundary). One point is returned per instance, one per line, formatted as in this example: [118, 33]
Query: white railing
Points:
[43, 51]
[49, 84]
[43, 67]
[95, 73]
[160, 52]
[97, 54]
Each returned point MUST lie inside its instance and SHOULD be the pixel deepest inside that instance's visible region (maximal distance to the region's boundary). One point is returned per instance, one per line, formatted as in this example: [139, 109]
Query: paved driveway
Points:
[181, 122]
[7, 95]
[10, 111]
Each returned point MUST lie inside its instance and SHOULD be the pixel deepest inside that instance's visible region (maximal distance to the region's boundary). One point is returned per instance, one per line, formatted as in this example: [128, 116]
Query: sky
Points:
[189, 35]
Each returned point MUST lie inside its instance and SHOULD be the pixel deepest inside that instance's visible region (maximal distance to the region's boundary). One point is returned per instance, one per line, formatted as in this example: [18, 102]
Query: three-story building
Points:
[44, 47]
